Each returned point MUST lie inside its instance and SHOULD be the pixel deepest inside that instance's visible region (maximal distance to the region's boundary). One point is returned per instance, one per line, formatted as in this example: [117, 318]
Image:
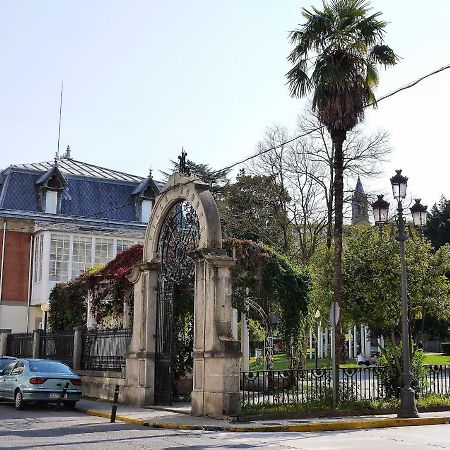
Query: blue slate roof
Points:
[87, 195]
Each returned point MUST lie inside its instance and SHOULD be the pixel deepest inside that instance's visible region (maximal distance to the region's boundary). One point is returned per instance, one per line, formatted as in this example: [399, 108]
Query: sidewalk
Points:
[178, 417]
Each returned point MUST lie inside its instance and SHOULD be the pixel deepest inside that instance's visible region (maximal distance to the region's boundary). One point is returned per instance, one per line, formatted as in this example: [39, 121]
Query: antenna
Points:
[59, 126]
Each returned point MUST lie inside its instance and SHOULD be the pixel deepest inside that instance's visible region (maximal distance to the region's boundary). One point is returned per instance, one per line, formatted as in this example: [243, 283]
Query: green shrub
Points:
[446, 348]
[393, 379]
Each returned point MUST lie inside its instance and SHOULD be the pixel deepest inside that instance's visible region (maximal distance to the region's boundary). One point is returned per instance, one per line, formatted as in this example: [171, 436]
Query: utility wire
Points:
[374, 103]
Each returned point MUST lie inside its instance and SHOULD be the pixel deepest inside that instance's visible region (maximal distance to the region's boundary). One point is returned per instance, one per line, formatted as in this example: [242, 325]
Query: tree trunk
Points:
[338, 137]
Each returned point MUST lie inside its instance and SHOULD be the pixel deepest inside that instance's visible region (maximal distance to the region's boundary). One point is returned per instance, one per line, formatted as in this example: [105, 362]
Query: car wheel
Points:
[70, 404]
[18, 399]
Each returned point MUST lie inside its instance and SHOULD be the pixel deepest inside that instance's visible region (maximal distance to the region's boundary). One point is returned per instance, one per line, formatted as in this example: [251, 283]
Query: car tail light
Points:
[76, 382]
[37, 380]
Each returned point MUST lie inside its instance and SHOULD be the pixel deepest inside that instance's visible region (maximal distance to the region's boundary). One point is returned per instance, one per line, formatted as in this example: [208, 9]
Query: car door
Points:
[6, 380]
[15, 378]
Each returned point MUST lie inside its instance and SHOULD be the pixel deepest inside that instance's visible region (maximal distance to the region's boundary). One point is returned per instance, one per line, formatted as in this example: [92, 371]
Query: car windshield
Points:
[49, 366]
[4, 362]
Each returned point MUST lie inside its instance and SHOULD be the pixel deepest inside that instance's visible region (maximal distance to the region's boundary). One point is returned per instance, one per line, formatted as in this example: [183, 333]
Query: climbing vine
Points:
[273, 281]
[108, 285]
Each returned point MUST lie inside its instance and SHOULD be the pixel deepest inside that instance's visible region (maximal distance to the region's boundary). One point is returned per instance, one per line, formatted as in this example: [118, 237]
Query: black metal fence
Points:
[57, 346]
[309, 386]
[437, 380]
[105, 349]
[20, 345]
[285, 386]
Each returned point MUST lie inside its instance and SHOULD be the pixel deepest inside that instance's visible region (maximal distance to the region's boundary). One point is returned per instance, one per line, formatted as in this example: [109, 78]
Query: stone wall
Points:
[101, 385]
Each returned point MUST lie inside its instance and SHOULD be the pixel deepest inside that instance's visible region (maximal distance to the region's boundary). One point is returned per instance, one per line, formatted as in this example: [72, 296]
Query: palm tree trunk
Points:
[338, 137]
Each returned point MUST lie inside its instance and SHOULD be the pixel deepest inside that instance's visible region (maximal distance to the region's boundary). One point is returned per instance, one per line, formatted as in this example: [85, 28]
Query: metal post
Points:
[114, 405]
[407, 395]
[317, 343]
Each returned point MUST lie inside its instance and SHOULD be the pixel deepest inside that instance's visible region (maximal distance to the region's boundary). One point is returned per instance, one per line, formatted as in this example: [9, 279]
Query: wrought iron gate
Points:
[178, 238]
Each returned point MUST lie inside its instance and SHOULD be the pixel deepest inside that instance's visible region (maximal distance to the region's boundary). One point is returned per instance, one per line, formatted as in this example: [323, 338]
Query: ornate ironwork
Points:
[179, 236]
[182, 166]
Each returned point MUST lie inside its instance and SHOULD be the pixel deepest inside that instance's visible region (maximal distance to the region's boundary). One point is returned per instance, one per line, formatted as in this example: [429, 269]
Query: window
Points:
[81, 255]
[37, 263]
[146, 210]
[59, 258]
[122, 245]
[51, 201]
[103, 250]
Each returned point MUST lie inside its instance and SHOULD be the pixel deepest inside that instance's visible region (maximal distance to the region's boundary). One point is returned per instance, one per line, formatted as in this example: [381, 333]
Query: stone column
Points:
[368, 344]
[140, 357]
[363, 340]
[36, 343]
[355, 341]
[234, 323]
[350, 343]
[3, 341]
[216, 354]
[245, 344]
[77, 347]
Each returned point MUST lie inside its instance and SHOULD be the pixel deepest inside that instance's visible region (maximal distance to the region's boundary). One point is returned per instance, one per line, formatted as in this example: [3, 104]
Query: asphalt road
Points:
[48, 428]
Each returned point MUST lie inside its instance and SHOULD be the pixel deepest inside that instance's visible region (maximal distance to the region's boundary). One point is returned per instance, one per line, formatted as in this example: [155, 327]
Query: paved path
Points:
[46, 428]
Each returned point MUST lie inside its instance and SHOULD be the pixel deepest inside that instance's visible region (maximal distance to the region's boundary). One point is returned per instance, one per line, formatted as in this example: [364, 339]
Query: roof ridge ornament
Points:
[182, 167]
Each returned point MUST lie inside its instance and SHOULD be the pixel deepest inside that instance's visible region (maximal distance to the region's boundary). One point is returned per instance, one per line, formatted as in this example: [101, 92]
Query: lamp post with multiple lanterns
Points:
[419, 215]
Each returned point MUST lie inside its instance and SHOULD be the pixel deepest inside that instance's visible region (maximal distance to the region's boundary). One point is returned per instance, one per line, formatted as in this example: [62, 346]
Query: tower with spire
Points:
[360, 211]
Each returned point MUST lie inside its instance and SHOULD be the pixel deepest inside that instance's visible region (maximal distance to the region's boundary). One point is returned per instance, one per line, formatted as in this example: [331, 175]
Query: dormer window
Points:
[51, 201]
[51, 184]
[146, 210]
[144, 197]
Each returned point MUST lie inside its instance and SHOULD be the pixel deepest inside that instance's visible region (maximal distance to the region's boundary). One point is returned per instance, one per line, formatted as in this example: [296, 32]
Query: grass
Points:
[281, 362]
[429, 401]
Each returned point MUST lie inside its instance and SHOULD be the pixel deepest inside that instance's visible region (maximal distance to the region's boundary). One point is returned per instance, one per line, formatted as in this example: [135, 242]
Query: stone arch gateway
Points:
[216, 353]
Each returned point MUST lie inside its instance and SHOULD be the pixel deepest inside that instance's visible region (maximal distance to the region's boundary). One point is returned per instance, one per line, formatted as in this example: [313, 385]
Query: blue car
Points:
[39, 380]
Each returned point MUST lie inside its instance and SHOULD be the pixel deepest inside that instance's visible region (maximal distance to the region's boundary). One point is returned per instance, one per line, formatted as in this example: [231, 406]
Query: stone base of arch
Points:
[216, 354]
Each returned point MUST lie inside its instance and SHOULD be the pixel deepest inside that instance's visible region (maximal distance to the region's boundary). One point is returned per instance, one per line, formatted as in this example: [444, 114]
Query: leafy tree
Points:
[216, 179]
[372, 286]
[253, 208]
[336, 53]
[438, 226]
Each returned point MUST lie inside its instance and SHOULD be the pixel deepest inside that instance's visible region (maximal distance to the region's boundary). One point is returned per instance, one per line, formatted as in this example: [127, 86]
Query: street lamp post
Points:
[381, 210]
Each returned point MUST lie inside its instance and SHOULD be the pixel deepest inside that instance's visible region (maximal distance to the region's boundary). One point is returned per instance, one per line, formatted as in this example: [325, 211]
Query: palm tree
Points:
[336, 54]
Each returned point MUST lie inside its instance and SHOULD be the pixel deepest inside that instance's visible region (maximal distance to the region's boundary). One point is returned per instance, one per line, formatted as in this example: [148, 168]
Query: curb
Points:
[304, 427]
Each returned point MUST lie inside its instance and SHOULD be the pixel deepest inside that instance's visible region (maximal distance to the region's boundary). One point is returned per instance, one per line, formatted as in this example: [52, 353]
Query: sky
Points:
[144, 78]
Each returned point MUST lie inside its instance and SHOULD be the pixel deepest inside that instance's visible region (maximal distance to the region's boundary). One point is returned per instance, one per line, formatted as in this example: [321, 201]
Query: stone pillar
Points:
[363, 340]
[368, 344]
[245, 344]
[77, 347]
[216, 354]
[90, 319]
[126, 315]
[4, 340]
[350, 346]
[36, 343]
[355, 341]
[234, 323]
[140, 358]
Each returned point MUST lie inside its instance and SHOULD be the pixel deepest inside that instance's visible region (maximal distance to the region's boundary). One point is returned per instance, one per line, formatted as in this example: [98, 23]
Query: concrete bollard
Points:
[4, 341]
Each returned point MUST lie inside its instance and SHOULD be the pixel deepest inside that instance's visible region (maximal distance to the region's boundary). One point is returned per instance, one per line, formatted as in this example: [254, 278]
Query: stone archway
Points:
[215, 354]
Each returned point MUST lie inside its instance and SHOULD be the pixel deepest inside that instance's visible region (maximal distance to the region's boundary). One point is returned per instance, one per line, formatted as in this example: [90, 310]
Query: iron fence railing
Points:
[105, 349]
[20, 345]
[436, 380]
[362, 383]
[315, 385]
[285, 386]
[58, 346]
